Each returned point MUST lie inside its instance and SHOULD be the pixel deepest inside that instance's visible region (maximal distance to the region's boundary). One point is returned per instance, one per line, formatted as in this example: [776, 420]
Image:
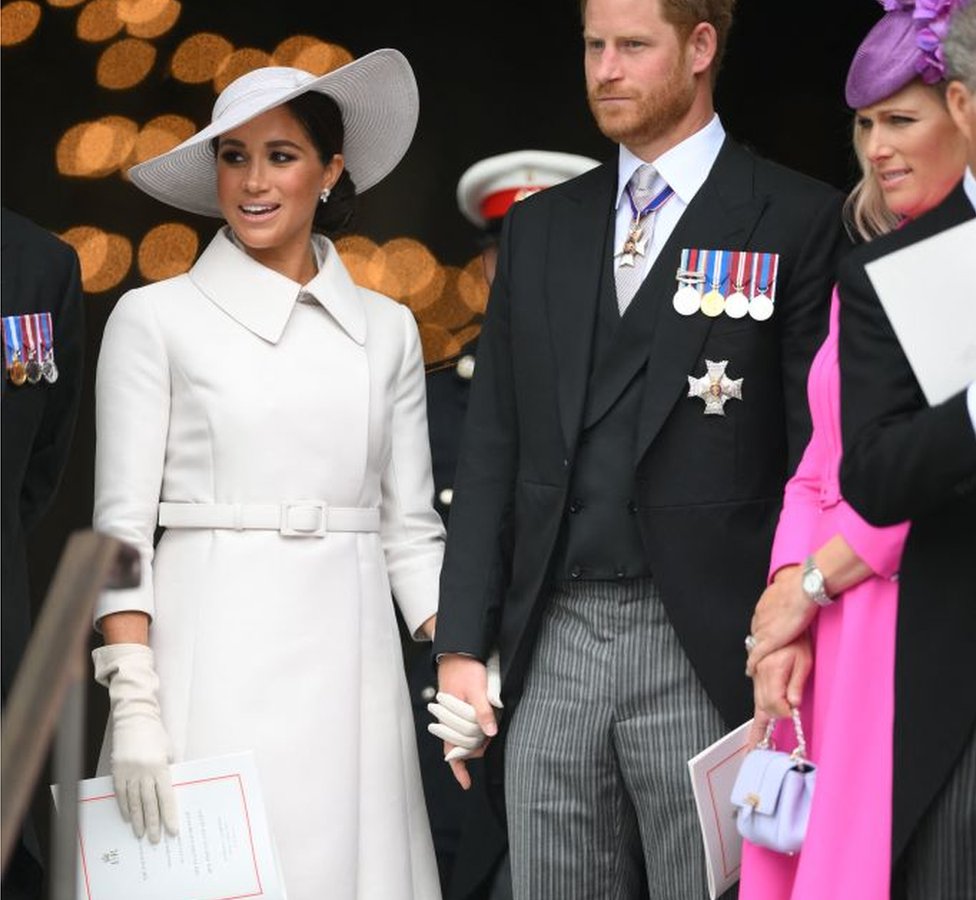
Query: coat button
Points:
[620, 573]
[575, 573]
[446, 496]
[428, 693]
[465, 367]
[632, 507]
[576, 506]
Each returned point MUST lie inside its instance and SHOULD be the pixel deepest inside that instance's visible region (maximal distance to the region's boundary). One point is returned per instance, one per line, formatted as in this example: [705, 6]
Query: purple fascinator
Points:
[905, 44]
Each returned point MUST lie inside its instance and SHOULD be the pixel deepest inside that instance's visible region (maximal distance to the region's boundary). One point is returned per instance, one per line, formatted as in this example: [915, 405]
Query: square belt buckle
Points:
[291, 522]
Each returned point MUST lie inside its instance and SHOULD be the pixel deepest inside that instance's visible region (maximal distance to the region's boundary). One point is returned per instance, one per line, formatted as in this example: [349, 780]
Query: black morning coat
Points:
[38, 273]
[709, 488]
[906, 460]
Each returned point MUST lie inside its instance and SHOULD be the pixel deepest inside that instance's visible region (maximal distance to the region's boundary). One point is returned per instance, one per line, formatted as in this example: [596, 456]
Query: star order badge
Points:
[715, 387]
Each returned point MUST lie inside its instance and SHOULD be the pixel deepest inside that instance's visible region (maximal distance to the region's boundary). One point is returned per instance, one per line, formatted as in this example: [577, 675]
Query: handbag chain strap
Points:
[799, 753]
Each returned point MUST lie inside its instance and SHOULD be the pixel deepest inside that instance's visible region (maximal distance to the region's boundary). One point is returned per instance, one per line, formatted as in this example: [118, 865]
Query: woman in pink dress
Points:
[831, 605]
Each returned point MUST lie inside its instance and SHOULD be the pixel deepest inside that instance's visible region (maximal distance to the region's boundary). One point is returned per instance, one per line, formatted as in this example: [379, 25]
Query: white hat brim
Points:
[376, 94]
[549, 168]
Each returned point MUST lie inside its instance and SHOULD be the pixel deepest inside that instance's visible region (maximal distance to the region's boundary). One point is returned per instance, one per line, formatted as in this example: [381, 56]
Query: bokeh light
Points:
[311, 54]
[240, 62]
[158, 25]
[137, 12]
[96, 149]
[98, 21]
[105, 258]
[125, 63]
[472, 286]
[438, 343]
[18, 22]
[199, 57]
[167, 250]
[159, 135]
[410, 273]
[360, 256]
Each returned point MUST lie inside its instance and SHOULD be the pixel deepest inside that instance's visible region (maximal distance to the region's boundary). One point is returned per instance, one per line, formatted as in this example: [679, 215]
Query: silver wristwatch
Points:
[813, 584]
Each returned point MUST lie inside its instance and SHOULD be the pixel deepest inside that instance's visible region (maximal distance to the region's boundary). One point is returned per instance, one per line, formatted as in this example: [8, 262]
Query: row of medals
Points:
[689, 299]
[33, 370]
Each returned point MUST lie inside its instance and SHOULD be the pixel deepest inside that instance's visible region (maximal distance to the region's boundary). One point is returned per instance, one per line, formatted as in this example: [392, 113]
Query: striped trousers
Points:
[940, 863]
[596, 778]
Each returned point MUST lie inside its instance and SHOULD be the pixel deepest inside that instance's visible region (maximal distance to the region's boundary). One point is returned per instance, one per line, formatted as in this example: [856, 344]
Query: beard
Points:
[650, 115]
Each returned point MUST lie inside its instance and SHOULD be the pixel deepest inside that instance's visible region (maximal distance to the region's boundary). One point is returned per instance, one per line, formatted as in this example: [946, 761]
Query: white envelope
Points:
[224, 848]
[928, 291]
[712, 774]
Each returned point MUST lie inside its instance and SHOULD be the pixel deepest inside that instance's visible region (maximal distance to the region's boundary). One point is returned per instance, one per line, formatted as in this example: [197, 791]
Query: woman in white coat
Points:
[269, 414]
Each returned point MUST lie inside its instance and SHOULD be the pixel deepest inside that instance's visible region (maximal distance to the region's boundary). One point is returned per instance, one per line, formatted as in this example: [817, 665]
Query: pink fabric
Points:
[848, 706]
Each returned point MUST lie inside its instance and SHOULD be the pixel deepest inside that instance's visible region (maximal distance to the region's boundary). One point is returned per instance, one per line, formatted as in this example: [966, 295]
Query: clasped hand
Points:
[783, 613]
[465, 709]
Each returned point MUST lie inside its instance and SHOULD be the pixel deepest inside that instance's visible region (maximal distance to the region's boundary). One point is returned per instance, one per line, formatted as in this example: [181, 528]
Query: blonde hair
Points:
[866, 215]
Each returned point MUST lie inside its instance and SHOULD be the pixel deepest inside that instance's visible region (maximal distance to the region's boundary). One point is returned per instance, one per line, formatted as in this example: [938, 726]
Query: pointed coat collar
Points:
[262, 300]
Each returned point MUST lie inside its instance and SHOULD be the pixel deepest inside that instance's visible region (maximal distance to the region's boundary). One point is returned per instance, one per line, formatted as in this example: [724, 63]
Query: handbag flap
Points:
[760, 778]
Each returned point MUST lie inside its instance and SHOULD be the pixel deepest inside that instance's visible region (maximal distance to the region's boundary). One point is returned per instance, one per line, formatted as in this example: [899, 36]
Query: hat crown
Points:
[259, 83]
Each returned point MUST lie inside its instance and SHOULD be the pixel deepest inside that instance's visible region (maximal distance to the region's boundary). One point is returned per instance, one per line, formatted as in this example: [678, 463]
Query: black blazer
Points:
[906, 460]
[39, 274]
[709, 487]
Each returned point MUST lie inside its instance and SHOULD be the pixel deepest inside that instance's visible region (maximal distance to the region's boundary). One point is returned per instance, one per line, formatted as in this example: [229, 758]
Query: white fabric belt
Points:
[300, 518]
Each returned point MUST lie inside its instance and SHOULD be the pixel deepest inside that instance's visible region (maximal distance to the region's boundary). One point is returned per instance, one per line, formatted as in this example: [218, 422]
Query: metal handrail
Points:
[49, 692]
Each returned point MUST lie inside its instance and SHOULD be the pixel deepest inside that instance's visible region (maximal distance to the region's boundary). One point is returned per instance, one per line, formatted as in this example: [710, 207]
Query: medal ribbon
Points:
[11, 339]
[771, 282]
[30, 342]
[740, 260]
[656, 202]
[45, 329]
[764, 273]
[721, 263]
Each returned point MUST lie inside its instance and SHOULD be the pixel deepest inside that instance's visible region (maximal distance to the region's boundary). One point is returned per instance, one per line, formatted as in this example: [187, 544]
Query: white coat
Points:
[221, 385]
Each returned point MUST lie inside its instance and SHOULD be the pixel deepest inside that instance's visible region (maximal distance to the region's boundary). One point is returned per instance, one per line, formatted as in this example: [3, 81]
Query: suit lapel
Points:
[578, 236]
[722, 216]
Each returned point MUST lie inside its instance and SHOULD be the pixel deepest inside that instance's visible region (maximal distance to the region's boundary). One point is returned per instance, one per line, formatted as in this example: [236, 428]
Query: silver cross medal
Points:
[634, 246]
[715, 387]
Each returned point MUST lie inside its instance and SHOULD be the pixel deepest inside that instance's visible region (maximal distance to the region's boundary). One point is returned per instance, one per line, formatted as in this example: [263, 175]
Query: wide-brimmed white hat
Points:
[376, 94]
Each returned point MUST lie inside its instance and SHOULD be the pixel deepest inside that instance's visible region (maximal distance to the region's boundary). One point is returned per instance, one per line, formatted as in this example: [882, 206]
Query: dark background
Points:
[493, 77]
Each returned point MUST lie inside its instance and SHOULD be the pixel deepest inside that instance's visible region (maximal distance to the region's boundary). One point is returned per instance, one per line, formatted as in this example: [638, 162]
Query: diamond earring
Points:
[324, 196]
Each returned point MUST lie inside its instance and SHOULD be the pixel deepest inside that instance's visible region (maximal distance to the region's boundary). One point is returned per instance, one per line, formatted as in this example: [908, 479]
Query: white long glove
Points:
[456, 722]
[140, 746]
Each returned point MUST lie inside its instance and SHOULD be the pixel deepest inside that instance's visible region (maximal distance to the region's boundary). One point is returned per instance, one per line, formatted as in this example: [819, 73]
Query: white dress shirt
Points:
[684, 167]
[969, 186]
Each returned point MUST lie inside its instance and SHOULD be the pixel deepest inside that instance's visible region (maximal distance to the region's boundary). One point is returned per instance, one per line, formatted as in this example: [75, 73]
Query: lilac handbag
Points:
[773, 793]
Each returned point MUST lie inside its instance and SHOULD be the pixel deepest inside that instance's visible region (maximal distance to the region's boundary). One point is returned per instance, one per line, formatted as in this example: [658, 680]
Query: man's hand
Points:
[468, 710]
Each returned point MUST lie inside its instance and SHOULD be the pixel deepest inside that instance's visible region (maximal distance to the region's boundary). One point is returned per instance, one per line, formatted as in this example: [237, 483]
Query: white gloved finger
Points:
[452, 720]
[168, 809]
[122, 796]
[458, 707]
[459, 753]
[150, 807]
[493, 668]
[453, 737]
[135, 807]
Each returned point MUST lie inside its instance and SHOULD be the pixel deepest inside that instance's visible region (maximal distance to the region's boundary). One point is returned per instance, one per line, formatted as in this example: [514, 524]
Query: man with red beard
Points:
[639, 402]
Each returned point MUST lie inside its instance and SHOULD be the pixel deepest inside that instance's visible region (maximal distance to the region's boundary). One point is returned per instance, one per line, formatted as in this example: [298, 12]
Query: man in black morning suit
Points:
[39, 274]
[906, 460]
[606, 535]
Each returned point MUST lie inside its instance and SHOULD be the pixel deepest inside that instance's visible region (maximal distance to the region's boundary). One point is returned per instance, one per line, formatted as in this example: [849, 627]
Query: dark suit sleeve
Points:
[803, 319]
[902, 458]
[53, 439]
[477, 560]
